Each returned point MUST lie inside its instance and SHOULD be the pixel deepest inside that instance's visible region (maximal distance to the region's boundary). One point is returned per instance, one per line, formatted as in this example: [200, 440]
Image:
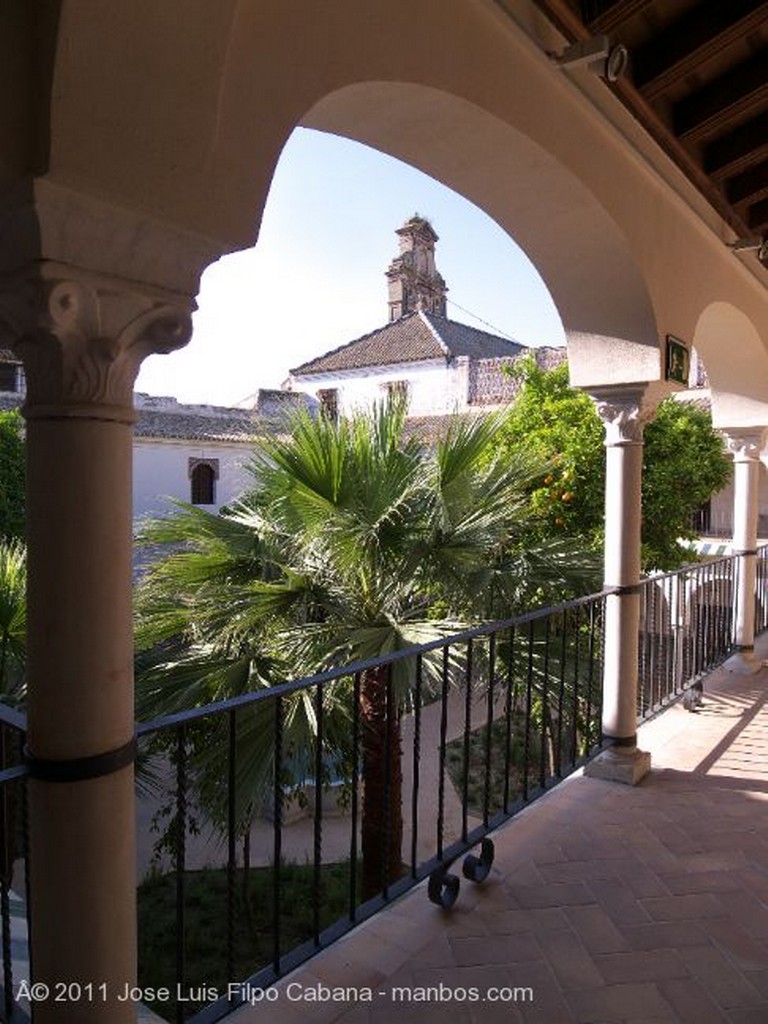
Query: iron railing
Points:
[402, 764]
[686, 628]
[283, 782]
[761, 590]
[14, 894]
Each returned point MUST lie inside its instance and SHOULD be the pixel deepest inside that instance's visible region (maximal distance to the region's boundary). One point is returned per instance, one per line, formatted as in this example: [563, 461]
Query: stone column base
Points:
[743, 663]
[617, 765]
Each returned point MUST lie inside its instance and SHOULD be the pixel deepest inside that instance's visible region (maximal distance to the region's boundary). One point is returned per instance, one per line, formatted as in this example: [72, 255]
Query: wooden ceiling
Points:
[698, 82]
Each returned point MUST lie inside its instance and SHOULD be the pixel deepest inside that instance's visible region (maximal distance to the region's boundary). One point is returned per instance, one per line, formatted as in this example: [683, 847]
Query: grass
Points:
[478, 739]
[206, 924]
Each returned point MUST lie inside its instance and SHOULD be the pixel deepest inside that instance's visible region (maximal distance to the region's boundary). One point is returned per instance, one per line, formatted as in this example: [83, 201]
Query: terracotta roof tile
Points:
[188, 425]
[412, 338]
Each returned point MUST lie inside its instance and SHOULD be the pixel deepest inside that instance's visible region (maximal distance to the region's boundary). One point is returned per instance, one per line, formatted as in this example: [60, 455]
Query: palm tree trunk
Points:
[382, 818]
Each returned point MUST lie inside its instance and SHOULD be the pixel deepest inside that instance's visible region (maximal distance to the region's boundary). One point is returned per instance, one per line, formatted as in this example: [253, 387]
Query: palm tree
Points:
[356, 541]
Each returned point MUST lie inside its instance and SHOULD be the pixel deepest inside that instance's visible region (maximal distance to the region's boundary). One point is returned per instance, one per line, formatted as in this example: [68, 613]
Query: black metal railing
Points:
[400, 765]
[14, 895]
[761, 590]
[286, 816]
[686, 628]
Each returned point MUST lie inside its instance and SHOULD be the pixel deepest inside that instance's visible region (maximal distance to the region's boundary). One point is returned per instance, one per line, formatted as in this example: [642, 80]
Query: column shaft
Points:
[745, 446]
[623, 412]
[622, 569]
[80, 676]
[82, 338]
[745, 541]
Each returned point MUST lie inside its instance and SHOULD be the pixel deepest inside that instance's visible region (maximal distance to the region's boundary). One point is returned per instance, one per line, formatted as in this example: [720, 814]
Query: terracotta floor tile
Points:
[665, 935]
[751, 1015]
[690, 907]
[617, 1003]
[555, 895]
[509, 922]
[596, 930]
[702, 881]
[640, 965]
[495, 1013]
[504, 949]
[741, 949]
[747, 911]
[691, 1002]
[569, 960]
[359, 1015]
[618, 903]
[615, 905]
[578, 871]
[759, 979]
[728, 986]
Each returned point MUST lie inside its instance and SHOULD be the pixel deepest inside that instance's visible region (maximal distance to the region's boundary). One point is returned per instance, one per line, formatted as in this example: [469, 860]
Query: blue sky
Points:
[315, 279]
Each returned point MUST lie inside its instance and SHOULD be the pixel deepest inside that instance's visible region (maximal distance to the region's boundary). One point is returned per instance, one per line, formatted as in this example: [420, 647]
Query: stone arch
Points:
[579, 250]
[732, 350]
[190, 136]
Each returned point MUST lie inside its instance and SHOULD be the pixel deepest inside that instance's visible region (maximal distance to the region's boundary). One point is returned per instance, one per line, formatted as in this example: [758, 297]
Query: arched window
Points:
[202, 477]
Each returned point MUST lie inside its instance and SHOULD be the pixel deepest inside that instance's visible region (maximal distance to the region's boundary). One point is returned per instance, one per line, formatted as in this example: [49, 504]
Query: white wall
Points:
[161, 470]
[721, 517]
[435, 387]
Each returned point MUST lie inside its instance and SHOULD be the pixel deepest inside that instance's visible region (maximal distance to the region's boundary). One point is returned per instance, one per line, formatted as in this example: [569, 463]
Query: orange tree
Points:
[684, 464]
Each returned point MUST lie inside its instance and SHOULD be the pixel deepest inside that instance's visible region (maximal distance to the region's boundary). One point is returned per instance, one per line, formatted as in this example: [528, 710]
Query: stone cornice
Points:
[82, 337]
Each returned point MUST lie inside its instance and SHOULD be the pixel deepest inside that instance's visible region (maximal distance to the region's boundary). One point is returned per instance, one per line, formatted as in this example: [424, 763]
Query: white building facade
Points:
[440, 365]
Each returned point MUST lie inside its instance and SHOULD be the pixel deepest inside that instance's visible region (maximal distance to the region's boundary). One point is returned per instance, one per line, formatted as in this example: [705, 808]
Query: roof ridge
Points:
[348, 344]
[431, 327]
[479, 330]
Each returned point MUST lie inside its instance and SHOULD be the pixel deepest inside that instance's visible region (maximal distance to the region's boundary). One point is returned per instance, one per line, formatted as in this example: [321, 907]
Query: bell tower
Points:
[414, 282]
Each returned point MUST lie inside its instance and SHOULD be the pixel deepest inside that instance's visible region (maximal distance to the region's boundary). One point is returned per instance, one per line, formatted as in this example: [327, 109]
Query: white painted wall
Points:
[435, 387]
[721, 517]
[161, 470]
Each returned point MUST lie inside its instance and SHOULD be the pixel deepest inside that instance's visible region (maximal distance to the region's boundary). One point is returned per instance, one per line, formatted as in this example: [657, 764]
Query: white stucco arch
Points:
[732, 348]
[580, 252]
[181, 128]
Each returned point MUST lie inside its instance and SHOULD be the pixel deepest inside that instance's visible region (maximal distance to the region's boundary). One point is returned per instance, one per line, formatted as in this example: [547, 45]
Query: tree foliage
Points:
[684, 464]
[353, 543]
[13, 579]
[11, 476]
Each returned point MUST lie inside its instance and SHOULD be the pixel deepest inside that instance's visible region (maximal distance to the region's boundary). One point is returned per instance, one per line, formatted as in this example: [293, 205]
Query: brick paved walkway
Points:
[640, 906]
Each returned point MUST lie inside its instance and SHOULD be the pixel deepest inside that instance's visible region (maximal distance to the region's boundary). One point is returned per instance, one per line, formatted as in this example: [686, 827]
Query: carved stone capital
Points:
[624, 412]
[82, 337]
[744, 443]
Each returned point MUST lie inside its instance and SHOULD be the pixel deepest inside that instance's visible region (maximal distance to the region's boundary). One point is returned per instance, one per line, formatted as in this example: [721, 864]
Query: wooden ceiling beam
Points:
[735, 94]
[561, 14]
[758, 216]
[567, 21]
[617, 15]
[740, 149]
[749, 185]
[705, 32]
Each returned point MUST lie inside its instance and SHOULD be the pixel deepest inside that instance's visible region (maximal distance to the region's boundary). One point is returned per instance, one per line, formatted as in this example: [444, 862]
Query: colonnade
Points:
[83, 336]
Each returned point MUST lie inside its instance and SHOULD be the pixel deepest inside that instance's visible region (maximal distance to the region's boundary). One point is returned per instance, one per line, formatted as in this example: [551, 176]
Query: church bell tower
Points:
[414, 282]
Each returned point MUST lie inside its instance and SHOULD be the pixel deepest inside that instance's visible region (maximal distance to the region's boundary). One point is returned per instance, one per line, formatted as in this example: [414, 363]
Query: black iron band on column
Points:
[622, 741]
[747, 551]
[621, 591]
[78, 769]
